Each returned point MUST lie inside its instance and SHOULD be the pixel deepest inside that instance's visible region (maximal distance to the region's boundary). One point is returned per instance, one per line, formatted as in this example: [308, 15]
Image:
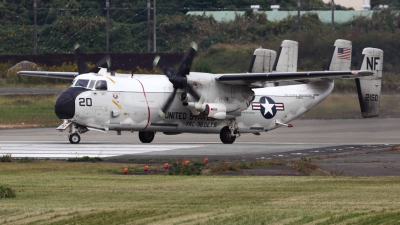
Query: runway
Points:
[306, 138]
[57, 150]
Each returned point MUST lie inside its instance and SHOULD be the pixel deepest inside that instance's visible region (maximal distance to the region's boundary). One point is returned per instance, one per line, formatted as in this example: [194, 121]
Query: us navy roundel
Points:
[267, 107]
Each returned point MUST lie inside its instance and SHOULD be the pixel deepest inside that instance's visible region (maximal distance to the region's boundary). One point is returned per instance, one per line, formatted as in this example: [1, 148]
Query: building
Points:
[324, 16]
[355, 4]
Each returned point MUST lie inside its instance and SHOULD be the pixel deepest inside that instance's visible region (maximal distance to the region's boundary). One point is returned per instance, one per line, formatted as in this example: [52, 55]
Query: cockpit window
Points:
[101, 85]
[81, 83]
[91, 84]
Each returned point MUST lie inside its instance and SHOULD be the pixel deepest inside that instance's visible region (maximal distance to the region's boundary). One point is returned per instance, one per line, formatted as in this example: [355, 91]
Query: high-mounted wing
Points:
[61, 75]
[81, 62]
[257, 79]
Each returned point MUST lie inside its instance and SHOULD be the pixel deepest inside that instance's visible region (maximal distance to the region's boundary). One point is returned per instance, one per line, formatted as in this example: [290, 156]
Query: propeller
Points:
[178, 77]
[81, 60]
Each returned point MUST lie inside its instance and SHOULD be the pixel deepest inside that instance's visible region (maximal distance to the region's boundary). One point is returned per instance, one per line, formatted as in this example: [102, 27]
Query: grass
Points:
[223, 166]
[6, 158]
[346, 106]
[53, 192]
[6, 192]
[85, 159]
[26, 110]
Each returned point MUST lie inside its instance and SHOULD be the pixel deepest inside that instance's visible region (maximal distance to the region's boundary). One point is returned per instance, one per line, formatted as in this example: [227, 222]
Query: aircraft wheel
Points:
[74, 138]
[225, 136]
[146, 136]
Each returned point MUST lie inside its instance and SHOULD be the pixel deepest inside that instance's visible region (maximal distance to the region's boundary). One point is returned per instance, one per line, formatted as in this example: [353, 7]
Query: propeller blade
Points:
[169, 101]
[105, 62]
[189, 88]
[178, 78]
[168, 70]
[187, 60]
[80, 60]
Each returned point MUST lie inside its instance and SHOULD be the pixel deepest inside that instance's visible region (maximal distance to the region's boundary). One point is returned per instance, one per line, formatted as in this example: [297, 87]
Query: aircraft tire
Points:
[146, 136]
[225, 136]
[74, 138]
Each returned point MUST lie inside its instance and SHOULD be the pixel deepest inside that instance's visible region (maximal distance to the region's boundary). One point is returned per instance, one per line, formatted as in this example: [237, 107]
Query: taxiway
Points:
[307, 137]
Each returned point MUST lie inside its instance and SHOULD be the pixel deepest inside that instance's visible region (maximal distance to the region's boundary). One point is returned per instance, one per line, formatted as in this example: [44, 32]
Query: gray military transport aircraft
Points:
[269, 96]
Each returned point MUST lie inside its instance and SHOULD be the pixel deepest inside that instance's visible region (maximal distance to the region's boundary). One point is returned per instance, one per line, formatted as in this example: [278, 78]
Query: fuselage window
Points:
[81, 83]
[101, 85]
[91, 84]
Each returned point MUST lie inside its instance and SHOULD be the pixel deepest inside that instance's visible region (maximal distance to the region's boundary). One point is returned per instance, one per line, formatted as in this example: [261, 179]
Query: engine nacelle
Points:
[215, 110]
[249, 95]
[195, 106]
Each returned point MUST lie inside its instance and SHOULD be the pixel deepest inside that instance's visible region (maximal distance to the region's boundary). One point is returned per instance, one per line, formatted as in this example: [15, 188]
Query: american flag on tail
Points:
[344, 53]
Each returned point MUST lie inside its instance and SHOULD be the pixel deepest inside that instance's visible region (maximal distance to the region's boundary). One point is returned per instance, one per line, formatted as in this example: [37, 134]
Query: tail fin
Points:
[287, 57]
[265, 60]
[262, 61]
[369, 88]
[341, 56]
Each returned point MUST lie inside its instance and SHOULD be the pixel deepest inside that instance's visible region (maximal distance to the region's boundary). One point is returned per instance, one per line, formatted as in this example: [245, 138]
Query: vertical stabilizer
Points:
[369, 88]
[262, 61]
[287, 57]
[341, 56]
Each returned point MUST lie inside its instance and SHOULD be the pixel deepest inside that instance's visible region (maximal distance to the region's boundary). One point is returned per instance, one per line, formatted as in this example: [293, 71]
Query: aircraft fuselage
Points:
[132, 103]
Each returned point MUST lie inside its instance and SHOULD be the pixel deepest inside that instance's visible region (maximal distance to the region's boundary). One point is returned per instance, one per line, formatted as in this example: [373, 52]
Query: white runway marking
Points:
[57, 150]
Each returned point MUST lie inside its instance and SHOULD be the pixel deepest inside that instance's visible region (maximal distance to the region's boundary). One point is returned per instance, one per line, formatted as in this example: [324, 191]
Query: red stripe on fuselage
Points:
[148, 108]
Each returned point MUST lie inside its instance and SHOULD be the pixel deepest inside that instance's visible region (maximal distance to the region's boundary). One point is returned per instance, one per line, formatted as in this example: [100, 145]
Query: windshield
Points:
[101, 85]
[91, 84]
[81, 83]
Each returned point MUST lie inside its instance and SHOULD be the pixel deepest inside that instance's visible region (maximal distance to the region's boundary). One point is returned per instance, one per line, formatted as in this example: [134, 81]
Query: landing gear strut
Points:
[146, 136]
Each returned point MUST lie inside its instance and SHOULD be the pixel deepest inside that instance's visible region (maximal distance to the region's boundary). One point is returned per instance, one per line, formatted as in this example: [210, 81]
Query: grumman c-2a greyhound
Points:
[271, 95]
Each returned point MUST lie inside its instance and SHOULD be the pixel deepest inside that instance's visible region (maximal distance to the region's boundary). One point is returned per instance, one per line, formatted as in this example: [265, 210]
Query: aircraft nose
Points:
[65, 103]
[65, 106]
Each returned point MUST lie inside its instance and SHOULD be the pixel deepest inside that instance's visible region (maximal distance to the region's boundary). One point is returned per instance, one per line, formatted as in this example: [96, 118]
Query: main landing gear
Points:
[229, 133]
[146, 136]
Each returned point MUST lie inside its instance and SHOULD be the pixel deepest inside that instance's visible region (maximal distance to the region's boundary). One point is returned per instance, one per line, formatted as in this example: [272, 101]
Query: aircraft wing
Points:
[61, 75]
[254, 79]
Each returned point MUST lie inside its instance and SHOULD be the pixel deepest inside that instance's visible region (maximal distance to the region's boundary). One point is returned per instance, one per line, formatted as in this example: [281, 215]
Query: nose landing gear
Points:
[74, 131]
[74, 138]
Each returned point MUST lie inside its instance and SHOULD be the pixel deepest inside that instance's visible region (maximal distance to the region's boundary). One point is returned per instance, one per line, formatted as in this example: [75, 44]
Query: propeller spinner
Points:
[178, 77]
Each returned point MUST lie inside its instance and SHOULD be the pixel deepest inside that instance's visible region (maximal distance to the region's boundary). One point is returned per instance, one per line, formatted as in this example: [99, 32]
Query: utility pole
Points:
[154, 26]
[333, 15]
[148, 25]
[35, 27]
[298, 16]
[108, 26]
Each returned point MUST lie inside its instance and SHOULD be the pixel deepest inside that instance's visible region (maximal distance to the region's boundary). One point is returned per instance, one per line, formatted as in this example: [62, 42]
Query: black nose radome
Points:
[65, 103]
[65, 106]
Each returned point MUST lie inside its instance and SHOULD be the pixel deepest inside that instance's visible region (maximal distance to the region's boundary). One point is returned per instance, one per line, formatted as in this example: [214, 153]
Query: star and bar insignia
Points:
[267, 107]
